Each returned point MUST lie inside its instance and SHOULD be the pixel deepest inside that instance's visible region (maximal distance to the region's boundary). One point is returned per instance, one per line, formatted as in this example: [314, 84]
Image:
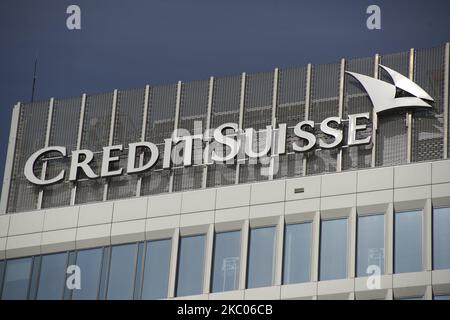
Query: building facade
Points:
[353, 221]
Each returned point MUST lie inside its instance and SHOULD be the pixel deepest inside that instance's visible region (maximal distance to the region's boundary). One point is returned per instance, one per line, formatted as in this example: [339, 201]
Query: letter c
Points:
[29, 166]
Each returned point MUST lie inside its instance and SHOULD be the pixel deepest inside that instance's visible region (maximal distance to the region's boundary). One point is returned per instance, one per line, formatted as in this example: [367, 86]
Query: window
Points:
[410, 298]
[297, 253]
[441, 238]
[408, 241]
[442, 297]
[157, 267]
[261, 259]
[90, 264]
[370, 245]
[52, 278]
[190, 265]
[122, 271]
[17, 278]
[227, 259]
[333, 249]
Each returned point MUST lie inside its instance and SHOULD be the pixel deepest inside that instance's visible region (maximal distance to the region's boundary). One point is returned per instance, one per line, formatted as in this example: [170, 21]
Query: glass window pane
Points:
[408, 241]
[190, 265]
[333, 249]
[122, 271]
[226, 265]
[261, 259]
[156, 272]
[17, 278]
[90, 263]
[441, 238]
[297, 253]
[442, 297]
[370, 245]
[52, 277]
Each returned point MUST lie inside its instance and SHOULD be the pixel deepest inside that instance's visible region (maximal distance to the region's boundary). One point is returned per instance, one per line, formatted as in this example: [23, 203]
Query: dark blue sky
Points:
[126, 44]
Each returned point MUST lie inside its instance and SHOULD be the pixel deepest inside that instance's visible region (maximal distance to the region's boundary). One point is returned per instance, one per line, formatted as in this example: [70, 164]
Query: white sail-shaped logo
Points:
[383, 94]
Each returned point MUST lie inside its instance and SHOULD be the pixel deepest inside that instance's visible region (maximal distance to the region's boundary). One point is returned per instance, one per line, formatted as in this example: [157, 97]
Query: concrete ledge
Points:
[332, 287]
[338, 184]
[227, 295]
[375, 179]
[4, 224]
[59, 240]
[338, 202]
[199, 200]
[61, 218]
[411, 279]
[267, 192]
[299, 290]
[267, 210]
[96, 213]
[93, 236]
[310, 185]
[128, 231]
[23, 245]
[302, 206]
[130, 209]
[164, 205]
[26, 222]
[233, 196]
[440, 172]
[2, 248]
[265, 293]
[411, 175]
[161, 225]
[233, 214]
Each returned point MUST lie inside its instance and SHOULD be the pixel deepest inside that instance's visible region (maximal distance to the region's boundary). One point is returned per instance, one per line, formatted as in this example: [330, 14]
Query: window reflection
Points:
[122, 271]
[408, 241]
[370, 245]
[261, 258]
[90, 263]
[17, 278]
[227, 259]
[297, 253]
[190, 265]
[157, 267]
[333, 249]
[441, 238]
[52, 276]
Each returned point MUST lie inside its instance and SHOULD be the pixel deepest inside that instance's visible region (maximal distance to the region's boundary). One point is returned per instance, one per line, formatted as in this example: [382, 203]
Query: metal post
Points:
[10, 158]
[307, 105]
[143, 130]
[241, 119]
[111, 137]
[274, 115]
[175, 126]
[79, 137]
[341, 110]
[446, 84]
[47, 141]
[374, 115]
[208, 126]
[409, 114]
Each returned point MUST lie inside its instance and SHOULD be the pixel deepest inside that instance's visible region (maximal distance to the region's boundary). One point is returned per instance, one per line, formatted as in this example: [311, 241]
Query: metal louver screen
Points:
[31, 133]
[160, 125]
[392, 140]
[95, 135]
[324, 104]
[193, 114]
[127, 129]
[356, 101]
[257, 115]
[290, 110]
[63, 132]
[428, 125]
[225, 109]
